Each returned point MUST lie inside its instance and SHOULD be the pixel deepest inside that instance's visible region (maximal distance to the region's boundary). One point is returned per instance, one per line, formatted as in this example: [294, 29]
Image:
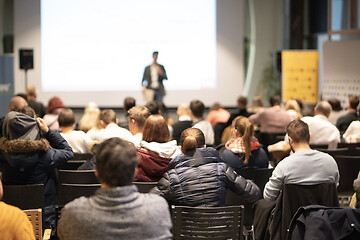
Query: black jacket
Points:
[33, 161]
[200, 178]
[147, 78]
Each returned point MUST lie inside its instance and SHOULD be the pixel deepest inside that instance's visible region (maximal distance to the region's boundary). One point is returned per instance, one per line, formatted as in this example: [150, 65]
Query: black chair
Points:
[145, 187]
[338, 151]
[319, 146]
[349, 167]
[25, 196]
[77, 177]
[72, 164]
[207, 223]
[69, 192]
[82, 156]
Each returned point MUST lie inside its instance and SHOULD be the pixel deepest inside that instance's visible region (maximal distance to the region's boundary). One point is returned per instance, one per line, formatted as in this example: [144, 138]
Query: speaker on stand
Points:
[26, 57]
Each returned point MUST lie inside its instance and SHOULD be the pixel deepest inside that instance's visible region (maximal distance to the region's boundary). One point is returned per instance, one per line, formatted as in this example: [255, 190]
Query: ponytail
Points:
[191, 139]
[189, 144]
[246, 131]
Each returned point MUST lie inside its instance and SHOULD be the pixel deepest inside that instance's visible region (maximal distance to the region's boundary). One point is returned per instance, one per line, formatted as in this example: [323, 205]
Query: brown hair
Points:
[353, 101]
[28, 111]
[245, 129]
[66, 118]
[191, 139]
[298, 131]
[139, 114]
[108, 116]
[156, 129]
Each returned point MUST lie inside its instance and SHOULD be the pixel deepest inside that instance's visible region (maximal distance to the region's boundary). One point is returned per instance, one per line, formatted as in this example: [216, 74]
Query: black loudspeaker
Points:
[277, 61]
[26, 58]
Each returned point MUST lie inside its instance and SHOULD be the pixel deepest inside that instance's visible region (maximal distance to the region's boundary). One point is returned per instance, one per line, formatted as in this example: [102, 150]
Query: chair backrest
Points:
[72, 164]
[348, 168]
[82, 156]
[260, 176]
[77, 176]
[35, 217]
[25, 196]
[145, 187]
[207, 223]
[338, 151]
[69, 192]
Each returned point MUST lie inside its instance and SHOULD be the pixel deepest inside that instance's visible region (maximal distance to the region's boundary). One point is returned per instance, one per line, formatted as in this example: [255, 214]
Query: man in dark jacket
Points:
[26, 158]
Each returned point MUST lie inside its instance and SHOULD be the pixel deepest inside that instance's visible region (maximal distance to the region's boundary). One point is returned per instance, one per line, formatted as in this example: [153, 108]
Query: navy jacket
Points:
[258, 159]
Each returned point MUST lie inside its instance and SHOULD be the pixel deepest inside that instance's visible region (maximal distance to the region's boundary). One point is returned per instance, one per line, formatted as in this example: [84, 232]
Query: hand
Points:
[42, 125]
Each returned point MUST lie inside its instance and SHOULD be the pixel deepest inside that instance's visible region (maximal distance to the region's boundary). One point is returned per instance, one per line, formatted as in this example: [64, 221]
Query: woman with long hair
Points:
[91, 119]
[244, 151]
[198, 177]
[156, 150]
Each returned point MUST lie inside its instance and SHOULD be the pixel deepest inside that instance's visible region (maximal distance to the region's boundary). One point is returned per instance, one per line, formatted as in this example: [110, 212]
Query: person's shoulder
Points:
[153, 200]
[79, 204]
[14, 214]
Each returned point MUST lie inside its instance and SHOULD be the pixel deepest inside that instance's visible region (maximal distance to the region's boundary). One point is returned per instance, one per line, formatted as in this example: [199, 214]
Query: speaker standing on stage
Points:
[154, 75]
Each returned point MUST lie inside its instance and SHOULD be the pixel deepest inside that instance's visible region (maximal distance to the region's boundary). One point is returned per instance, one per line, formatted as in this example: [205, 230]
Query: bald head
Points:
[323, 108]
[183, 109]
[16, 103]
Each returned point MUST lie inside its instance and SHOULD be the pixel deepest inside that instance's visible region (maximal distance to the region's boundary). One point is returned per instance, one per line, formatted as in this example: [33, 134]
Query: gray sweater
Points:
[116, 213]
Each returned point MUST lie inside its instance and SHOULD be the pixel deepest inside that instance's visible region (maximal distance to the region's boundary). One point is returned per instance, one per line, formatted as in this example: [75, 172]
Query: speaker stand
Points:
[26, 79]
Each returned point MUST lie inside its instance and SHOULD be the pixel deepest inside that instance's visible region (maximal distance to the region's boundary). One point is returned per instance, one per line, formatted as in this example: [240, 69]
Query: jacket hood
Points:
[20, 126]
[166, 150]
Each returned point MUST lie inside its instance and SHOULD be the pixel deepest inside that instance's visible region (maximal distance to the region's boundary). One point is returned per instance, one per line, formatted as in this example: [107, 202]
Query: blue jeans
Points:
[158, 96]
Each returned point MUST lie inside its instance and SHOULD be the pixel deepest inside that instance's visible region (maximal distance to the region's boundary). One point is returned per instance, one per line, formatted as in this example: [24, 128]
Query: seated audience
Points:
[31, 99]
[336, 110]
[91, 119]
[352, 133]
[357, 190]
[217, 114]
[183, 111]
[321, 130]
[14, 105]
[14, 223]
[117, 210]
[78, 140]
[129, 102]
[27, 158]
[244, 151]
[198, 177]
[53, 110]
[256, 105]
[344, 121]
[293, 109]
[137, 119]
[110, 129]
[304, 167]
[156, 150]
[273, 119]
[27, 111]
[153, 107]
[242, 110]
[197, 109]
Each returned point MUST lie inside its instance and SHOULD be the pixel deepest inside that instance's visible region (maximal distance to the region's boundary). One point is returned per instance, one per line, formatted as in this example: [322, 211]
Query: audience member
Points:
[336, 110]
[31, 99]
[242, 110]
[110, 129]
[357, 190]
[14, 224]
[244, 151]
[198, 177]
[321, 130]
[137, 119]
[153, 107]
[304, 167]
[91, 119]
[78, 140]
[344, 121]
[26, 158]
[23, 95]
[53, 110]
[217, 114]
[273, 119]
[197, 109]
[352, 133]
[256, 105]
[117, 210]
[28, 111]
[156, 150]
[129, 102]
[14, 105]
[183, 111]
[293, 109]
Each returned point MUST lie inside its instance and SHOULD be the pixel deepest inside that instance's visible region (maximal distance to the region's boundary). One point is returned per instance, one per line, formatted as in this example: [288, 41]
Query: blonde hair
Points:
[293, 104]
[245, 129]
[91, 117]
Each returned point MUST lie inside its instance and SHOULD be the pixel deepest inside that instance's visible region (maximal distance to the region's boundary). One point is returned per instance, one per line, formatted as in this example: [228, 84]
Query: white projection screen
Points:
[97, 50]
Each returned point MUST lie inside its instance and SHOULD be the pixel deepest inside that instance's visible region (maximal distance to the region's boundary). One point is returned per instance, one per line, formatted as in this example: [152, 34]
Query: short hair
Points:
[298, 131]
[31, 91]
[153, 107]
[242, 101]
[156, 129]
[191, 139]
[197, 108]
[275, 100]
[28, 111]
[155, 52]
[139, 114]
[66, 118]
[323, 107]
[116, 160]
[354, 101]
[335, 104]
[216, 106]
[129, 102]
[108, 116]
